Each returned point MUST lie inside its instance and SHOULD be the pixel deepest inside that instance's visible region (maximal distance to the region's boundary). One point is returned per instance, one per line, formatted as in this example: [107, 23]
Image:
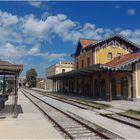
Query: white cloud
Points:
[23, 36]
[131, 12]
[34, 50]
[69, 30]
[35, 3]
[54, 56]
[126, 33]
[11, 52]
[16, 53]
[45, 29]
[7, 19]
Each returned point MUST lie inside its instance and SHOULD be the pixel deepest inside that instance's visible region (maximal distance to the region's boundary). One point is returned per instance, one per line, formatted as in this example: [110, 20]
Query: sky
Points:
[38, 34]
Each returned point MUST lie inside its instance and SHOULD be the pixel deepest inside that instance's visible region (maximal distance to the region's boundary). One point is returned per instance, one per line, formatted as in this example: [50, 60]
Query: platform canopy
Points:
[9, 74]
[9, 68]
[73, 73]
[121, 63]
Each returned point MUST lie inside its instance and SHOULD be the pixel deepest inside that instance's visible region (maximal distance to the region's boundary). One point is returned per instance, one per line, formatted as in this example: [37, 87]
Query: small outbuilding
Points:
[9, 74]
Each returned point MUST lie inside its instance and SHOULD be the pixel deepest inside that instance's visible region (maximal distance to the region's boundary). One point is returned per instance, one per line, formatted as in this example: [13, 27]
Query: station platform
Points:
[29, 124]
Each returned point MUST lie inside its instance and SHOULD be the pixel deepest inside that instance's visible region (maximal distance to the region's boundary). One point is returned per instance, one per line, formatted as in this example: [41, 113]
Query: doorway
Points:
[96, 88]
[124, 88]
[113, 82]
[103, 89]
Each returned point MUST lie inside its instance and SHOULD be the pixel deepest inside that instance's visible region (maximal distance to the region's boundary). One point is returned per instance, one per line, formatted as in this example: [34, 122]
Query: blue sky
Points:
[38, 34]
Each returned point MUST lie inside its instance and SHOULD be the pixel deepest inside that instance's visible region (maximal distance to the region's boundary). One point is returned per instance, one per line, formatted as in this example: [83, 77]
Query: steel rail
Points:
[87, 128]
[123, 119]
[69, 101]
[128, 120]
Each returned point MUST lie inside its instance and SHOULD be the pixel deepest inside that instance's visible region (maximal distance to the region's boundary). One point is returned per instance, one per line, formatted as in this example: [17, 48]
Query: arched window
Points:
[109, 56]
[63, 70]
[88, 61]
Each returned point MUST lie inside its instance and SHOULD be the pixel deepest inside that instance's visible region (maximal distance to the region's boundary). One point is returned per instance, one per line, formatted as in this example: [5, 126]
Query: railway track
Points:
[73, 127]
[125, 119]
[69, 101]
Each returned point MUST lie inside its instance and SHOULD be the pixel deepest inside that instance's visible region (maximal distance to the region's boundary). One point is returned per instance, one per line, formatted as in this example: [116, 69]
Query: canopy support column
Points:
[4, 84]
[16, 96]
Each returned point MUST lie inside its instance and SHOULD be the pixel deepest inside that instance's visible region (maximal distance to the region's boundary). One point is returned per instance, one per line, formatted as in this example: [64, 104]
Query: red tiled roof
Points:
[118, 61]
[86, 42]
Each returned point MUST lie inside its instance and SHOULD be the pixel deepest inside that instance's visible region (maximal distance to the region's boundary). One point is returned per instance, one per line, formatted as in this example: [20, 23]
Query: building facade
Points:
[107, 69]
[62, 67]
[40, 83]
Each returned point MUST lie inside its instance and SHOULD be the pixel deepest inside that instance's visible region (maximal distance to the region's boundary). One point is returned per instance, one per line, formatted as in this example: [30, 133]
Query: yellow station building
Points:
[108, 69]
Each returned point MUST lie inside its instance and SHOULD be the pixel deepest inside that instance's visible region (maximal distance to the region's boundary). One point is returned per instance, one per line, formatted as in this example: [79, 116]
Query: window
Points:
[109, 56]
[118, 54]
[63, 70]
[82, 63]
[88, 61]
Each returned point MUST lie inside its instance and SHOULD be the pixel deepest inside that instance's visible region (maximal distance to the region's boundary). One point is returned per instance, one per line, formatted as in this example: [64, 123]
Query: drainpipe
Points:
[16, 97]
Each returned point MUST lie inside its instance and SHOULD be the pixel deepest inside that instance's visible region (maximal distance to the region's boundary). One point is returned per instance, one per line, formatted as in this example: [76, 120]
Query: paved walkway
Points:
[123, 130]
[30, 123]
[124, 104]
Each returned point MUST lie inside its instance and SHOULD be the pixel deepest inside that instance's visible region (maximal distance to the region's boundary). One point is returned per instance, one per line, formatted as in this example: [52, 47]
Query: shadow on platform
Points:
[8, 110]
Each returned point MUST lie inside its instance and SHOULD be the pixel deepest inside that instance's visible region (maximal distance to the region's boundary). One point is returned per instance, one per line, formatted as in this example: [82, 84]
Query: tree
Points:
[31, 76]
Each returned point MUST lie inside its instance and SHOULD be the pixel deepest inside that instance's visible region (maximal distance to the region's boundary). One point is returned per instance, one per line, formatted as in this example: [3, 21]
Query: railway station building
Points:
[107, 69]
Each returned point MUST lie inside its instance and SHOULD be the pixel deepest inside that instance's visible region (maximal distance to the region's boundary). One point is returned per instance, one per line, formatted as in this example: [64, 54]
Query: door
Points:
[124, 87]
[88, 88]
[83, 88]
[113, 82]
[96, 88]
[103, 89]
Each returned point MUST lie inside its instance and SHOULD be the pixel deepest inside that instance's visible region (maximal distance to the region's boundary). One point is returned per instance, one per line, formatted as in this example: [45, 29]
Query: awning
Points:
[79, 72]
[9, 68]
[87, 70]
